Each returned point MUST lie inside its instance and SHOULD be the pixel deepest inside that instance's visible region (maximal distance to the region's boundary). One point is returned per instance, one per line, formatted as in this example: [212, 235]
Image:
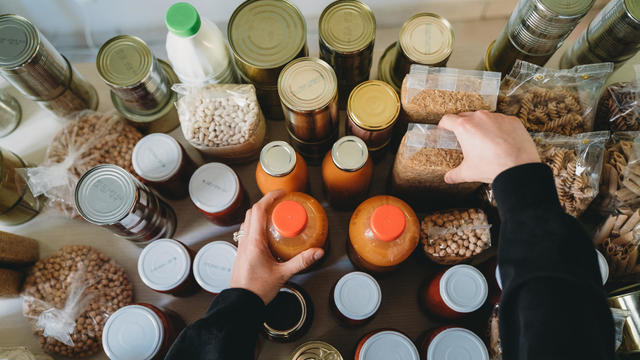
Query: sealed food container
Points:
[217, 192]
[535, 30]
[312, 151]
[281, 167]
[17, 203]
[385, 67]
[297, 222]
[289, 315]
[140, 84]
[213, 265]
[356, 298]
[386, 344]
[33, 66]
[140, 331]
[10, 114]
[454, 292]
[315, 350]
[108, 196]
[372, 111]
[165, 267]
[347, 34]
[383, 232]
[347, 171]
[164, 165]
[444, 341]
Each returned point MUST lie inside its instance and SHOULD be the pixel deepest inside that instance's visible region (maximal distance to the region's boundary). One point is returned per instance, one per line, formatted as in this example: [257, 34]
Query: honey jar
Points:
[386, 344]
[165, 267]
[356, 298]
[281, 167]
[213, 265]
[288, 315]
[346, 172]
[445, 341]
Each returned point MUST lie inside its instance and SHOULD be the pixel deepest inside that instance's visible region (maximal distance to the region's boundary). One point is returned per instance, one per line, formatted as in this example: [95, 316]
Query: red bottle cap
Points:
[387, 222]
[289, 218]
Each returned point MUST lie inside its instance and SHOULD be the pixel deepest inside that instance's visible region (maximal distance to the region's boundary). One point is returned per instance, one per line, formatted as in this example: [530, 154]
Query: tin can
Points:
[385, 67]
[426, 39]
[454, 292]
[440, 342]
[213, 264]
[355, 298]
[165, 267]
[628, 298]
[347, 31]
[289, 315]
[386, 344]
[17, 203]
[315, 350]
[108, 196]
[10, 114]
[313, 152]
[372, 110]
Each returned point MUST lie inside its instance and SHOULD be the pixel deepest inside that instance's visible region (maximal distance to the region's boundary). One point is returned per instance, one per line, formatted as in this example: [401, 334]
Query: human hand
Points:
[255, 268]
[491, 143]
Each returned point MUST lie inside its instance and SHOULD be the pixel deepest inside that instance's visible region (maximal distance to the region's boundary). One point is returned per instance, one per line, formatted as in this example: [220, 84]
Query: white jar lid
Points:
[357, 295]
[164, 264]
[134, 332]
[604, 267]
[457, 344]
[156, 157]
[213, 264]
[214, 187]
[463, 288]
[388, 344]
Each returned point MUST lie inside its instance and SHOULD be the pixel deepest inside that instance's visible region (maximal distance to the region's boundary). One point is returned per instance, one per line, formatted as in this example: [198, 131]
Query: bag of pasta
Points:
[549, 100]
[618, 108]
[618, 238]
[576, 162]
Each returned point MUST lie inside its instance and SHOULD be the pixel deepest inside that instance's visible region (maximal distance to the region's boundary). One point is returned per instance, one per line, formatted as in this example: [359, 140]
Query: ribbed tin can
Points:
[315, 350]
[612, 36]
[385, 67]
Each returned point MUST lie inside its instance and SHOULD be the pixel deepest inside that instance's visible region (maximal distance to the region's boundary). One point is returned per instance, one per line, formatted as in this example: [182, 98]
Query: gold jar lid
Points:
[347, 26]
[427, 38]
[307, 84]
[124, 61]
[633, 8]
[316, 350]
[349, 153]
[21, 41]
[567, 8]
[278, 158]
[373, 105]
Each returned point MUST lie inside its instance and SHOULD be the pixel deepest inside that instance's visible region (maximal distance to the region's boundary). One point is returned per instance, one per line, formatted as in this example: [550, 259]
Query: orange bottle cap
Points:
[289, 218]
[387, 222]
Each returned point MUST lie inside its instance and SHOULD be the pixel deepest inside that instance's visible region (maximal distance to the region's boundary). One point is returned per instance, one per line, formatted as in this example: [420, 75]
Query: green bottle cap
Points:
[182, 19]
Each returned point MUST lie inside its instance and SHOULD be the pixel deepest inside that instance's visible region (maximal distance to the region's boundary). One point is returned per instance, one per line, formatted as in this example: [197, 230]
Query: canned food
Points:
[315, 350]
[213, 265]
[269, 101]
[372, 110]
[441, 342]
[628, 298]
[454, 292]
[356, 298]
[312, 151]
[385, 67]
[10, 114]
[289, 315]
[386, 344]
[17, 203]
[165, 267]
[347, 171]
[108, 196]
[281, 167]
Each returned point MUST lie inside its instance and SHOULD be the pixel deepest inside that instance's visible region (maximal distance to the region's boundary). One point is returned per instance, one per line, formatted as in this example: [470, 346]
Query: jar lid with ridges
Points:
[156, 157]
[105, 194]
[133, 332]
[463, 288]
[567, 8]
[633, 8]
[357, 295]
[164, 264]
[457, 343]
[427, 38]
[373, 105]
[124, 61]
[316, 350]
[388, 344]
[20, 41]
[385, 66]
[349, 153]
[267, 33]
[347, 26]
[214, 187]
[213, 264]
[307, 84]
[278, 158]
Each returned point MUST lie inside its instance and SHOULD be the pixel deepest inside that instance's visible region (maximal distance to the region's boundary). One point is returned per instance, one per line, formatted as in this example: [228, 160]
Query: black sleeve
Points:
[228, 331]
[553, 304]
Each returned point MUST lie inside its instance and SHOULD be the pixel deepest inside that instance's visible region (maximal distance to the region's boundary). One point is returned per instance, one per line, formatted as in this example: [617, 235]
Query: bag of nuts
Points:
[455, 236]
[223, 121]
[68, 297]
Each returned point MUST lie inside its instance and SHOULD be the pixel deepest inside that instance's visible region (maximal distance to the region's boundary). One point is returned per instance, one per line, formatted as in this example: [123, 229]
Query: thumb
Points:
[455, 176]
[301, 261]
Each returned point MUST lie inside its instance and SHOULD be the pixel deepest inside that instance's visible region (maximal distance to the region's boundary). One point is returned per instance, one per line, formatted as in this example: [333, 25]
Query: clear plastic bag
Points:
[549, 100]
[223, 121]
[618, 238]
[428, 93]
[619, 108]
[619, 320]
[21, 353]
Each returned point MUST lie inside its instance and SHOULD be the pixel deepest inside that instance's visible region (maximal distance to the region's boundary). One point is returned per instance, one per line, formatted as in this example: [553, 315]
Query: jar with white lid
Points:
[356, 298]
[385, 345]
[445, 342]
[213, 265]
[165, 267]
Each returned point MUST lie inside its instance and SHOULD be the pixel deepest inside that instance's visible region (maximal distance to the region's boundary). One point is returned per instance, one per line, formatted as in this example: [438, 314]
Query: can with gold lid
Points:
[372, 110]
[315, 350]
[385, 67]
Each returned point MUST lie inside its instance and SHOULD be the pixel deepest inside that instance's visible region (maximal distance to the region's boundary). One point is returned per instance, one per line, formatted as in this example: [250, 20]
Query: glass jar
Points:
[17, 203]
[315, 350]
[355, 298]
[281, 167]
[373, 110]
[383, 232]
[10, 114]
[444, 341]
[454, 292]
[346, 172]
[217, 192]
[297, 222]
[386, 344]
[213, 265]
[165, 267]
[140, 331]
[164, 165]
[289, 315]
[108, 196]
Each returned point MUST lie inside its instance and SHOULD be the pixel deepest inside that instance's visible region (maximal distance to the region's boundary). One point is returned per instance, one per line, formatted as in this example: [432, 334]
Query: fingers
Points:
[244, 229]
[457, 175]
[450, 122]
[301, 262]
[259, 214]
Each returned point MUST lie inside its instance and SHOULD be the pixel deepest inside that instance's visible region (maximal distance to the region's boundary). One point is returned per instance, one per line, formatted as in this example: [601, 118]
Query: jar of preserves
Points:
[373, 110]
[383, 232]
[140, 331]
[217, 192]
[346, 172]
[17, 203]
[297, 222]
[289, 315]
[444, 341]
[356, 298]
[165, 267]
[164, 165]
[281, 167]
[315, 350]
[386, 344]
[454, 292]
[213, 265]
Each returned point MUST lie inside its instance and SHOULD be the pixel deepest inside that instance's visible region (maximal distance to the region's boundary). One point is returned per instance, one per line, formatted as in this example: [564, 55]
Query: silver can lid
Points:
[349, 153]
[357, 295]
[278, 158]
[105, 194]
[156, 157]
[133, 332]
[19, 41]
[164, 264]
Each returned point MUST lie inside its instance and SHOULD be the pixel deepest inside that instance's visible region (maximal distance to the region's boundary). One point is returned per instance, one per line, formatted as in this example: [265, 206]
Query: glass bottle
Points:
[17, 203]
[281, 167]
[346, 172]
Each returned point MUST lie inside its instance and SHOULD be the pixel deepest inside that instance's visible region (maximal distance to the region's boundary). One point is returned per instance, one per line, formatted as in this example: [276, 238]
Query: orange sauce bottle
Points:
[280, 167]
[346, 172]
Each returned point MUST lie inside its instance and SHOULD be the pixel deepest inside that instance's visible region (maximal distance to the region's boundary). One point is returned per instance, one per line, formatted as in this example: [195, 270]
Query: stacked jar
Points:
[33, 66]
[17, 203]
[281, 168]
[264, 36]
[165, 267]
[140, 84]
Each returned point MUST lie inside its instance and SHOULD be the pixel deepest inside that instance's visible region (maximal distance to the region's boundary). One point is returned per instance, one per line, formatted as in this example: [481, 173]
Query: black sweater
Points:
[553, 305]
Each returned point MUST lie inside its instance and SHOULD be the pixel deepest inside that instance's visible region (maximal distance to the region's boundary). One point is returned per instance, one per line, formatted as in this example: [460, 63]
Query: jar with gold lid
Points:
[347, 171]
[315, 350]
[281, 167]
